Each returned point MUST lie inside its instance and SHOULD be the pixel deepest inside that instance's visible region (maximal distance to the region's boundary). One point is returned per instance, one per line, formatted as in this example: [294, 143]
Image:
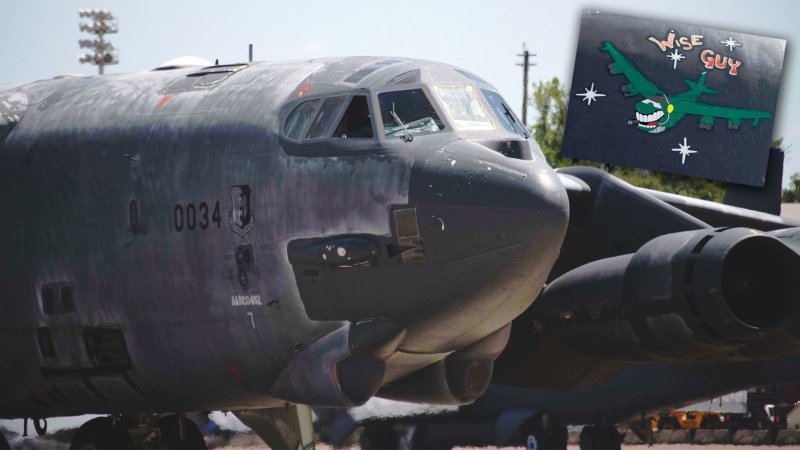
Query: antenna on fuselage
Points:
[250, 59]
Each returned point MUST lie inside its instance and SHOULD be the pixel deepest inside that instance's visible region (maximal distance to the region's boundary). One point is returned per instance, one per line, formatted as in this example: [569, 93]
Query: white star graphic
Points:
[590, 94]
[731, 44]
[675, 56]
[683, 149]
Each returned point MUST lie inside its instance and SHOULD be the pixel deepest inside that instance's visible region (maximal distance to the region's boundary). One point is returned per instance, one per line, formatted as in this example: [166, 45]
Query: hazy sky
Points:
[39, 38]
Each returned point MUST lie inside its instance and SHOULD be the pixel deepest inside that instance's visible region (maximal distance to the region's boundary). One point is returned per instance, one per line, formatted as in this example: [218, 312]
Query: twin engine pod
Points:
[341, 369]
[688, 295]
[458, 379]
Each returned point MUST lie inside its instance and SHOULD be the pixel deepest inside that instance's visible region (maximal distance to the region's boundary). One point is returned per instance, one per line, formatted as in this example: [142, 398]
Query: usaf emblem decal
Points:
[241, 215]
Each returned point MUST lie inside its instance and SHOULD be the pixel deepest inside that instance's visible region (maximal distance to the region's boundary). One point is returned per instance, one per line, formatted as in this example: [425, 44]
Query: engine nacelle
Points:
[458, 379]
[688, 295]
[341, 369]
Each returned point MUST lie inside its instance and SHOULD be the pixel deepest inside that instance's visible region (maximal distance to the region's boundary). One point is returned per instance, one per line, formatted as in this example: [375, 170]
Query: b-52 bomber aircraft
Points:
[660, 111]
[656, 301]
[266, 237]
[250, 237]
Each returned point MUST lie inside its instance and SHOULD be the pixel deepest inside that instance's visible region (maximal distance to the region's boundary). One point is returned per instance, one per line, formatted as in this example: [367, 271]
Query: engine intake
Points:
[341, 369]
[458, 379]
[687, 295]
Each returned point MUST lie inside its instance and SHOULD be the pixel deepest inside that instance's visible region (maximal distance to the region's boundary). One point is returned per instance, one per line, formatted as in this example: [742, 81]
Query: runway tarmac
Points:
[575, 447]
[252, 442]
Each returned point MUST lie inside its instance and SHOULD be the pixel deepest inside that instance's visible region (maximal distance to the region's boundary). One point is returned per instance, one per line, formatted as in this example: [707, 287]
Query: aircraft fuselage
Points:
[171, 241]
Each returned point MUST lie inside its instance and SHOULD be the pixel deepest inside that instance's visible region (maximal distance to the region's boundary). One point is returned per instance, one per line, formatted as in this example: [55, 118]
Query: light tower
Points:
[102, 23]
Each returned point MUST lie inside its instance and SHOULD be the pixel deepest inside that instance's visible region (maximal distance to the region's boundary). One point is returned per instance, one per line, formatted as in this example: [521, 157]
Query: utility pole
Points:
[526, 63]
[102, 23]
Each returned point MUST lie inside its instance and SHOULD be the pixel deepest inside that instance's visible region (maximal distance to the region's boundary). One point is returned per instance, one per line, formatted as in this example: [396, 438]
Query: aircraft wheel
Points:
[668, 423]
[4, 443]
[192, 438]
[600, 437]
[379, 435]
[710, 423]
[549, 435]
[101, 434]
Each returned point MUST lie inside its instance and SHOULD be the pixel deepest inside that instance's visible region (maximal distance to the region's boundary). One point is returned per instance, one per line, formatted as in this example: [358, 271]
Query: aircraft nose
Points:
[472, 201]
[472, 249]
[491, 228]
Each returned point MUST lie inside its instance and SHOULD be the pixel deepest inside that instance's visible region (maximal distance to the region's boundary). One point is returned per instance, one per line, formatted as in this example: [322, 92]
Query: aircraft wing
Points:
[723, 112]
[711, 213]
[621, 65]
[719, 215]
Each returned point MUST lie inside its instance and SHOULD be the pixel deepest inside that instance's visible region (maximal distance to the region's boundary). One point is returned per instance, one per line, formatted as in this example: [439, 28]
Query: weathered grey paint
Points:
[96, 169]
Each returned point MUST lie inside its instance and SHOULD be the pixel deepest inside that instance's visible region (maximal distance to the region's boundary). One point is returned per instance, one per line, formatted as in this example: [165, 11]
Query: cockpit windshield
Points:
[408, 112]
[464, 108]
[504, 114]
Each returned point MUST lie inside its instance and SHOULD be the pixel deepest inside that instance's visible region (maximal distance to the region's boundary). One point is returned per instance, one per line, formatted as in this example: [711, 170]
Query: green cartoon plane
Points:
[659, 111]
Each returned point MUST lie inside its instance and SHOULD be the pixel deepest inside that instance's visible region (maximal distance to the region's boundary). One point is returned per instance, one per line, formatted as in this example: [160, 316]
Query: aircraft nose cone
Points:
[471, 201]
[491, 228]
[467, 254]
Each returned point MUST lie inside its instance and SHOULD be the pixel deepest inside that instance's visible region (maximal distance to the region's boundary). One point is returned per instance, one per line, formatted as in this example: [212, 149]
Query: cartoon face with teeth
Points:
[653, 116]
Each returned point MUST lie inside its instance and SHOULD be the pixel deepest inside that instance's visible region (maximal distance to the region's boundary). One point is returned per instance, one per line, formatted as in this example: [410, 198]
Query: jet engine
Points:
[458, 379]
[341, 369]
[688, 295]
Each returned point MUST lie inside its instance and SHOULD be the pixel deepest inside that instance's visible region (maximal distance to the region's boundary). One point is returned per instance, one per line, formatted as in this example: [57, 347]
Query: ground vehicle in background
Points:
[688, 420]
[767, 409]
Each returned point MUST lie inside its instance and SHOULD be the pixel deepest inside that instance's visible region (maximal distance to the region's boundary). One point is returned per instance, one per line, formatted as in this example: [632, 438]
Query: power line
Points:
[526, 63]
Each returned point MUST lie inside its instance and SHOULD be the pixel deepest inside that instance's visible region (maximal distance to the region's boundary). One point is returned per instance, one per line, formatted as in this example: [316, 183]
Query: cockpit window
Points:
[300, 118]
[504, 114]
[356, 122]
[408, 112]
[325, 117]
[412, 76]
[471, 76]
[464, 108]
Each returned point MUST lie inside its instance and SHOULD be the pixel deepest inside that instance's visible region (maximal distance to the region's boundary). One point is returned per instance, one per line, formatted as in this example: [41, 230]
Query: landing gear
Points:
[600, 437]
[549, 434]
[668, 423]
[4, 443]
[180, 433]
[174, 432]
[643, 429]
[101, 433]
[289, 427]
[40, 425]
[379, 435]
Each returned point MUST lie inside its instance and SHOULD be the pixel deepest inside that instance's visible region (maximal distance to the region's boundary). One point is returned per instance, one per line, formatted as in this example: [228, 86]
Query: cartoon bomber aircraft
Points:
[658, 112]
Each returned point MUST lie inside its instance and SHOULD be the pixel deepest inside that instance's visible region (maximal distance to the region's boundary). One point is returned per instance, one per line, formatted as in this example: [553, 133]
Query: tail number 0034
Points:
[190, 216]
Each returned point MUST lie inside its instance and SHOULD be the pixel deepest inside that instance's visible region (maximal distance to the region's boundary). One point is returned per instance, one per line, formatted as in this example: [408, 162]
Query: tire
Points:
[555, 438]
[710, 423]
[101, 434]
[379, 436]
[549, 435]
[4, 443]
[595, 437]
[41, 429]
[171, 434]
[668, 424]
